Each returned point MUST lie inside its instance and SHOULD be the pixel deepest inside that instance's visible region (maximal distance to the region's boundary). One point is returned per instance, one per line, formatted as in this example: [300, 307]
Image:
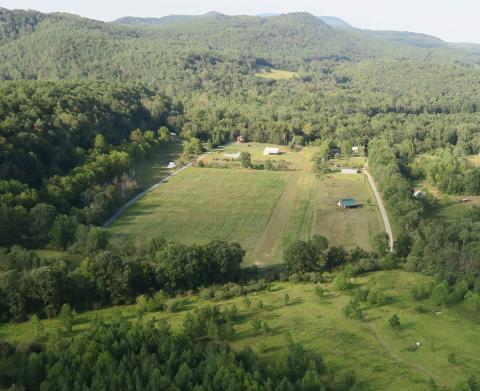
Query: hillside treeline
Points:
[66, 151]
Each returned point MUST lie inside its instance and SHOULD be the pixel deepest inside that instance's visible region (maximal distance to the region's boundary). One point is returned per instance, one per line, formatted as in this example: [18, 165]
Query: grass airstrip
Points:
[433, 344]
[263, 210]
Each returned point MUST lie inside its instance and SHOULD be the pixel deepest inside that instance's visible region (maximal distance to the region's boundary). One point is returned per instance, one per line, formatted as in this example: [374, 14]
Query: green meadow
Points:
[262, 210]
[275, 74]
[432, 344]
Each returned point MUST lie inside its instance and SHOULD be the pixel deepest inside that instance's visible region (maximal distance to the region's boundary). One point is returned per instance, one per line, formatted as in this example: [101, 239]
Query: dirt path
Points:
[395, 356]
[272, 234]
[383, 212]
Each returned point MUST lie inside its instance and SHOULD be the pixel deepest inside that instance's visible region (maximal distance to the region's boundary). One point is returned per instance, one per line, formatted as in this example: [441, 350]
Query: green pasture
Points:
[381, 357]
[262, 210]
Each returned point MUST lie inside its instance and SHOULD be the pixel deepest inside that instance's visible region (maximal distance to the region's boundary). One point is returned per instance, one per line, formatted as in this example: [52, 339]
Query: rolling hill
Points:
[155, 51]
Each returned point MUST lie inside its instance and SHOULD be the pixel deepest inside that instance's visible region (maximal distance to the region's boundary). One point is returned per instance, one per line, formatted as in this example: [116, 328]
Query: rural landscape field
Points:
[264, 211]
[259, 197]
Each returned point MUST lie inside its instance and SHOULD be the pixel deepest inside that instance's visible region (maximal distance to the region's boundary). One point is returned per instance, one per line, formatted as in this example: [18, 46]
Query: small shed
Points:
[349, 171]
[271, 151]
[347, 203]
[171, 165]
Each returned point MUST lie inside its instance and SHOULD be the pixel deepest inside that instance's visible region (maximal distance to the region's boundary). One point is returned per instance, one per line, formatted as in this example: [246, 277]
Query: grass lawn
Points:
[275, 74]
[262, 210]
[153, 168]
[382, 358]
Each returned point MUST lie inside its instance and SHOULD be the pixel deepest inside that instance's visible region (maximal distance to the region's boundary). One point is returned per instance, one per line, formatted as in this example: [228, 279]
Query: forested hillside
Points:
[67, 145]
[83, 102]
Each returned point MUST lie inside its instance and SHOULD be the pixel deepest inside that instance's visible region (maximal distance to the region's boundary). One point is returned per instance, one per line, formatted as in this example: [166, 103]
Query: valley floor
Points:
[262, 210]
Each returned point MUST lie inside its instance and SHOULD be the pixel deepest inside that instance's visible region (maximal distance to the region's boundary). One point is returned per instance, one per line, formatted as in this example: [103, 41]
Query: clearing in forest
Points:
[275, 74]
[263, 210]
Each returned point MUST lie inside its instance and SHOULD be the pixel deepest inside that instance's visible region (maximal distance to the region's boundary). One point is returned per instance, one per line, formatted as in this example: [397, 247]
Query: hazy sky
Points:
[452, 20]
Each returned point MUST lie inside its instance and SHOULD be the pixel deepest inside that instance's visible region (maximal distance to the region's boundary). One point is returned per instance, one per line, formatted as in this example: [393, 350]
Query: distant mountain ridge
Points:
[400, 37]
[35, 45]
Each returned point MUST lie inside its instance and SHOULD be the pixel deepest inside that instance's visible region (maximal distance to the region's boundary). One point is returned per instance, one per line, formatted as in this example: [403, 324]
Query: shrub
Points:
[472, 301]
[320, 292]
[394, 322]
[421, 309]
[220, 294]
[175, 305]
[422, 291]
[207, 293]
[352, 310]
[361, 294]
[341, 282]
[5, 349]
[376, 297]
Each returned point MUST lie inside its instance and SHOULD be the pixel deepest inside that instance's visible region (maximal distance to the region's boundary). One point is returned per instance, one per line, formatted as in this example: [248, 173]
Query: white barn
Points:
[349, 171]
[271, 151]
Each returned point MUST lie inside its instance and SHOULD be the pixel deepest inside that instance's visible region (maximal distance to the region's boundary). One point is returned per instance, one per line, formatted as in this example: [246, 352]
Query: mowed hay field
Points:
[262, 210]
[382, 358]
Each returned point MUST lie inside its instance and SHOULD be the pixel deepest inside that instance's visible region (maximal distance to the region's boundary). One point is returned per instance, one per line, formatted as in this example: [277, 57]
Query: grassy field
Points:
[275, 74]
[154, 167]
[449, 206]
[382, 358]
[263, 210]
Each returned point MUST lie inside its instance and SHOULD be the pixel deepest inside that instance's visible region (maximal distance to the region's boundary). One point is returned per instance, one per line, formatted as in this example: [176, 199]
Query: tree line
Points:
[107, 274]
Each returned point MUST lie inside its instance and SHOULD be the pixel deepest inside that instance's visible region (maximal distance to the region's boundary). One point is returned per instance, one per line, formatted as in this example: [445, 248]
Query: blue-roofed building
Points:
[348, 203]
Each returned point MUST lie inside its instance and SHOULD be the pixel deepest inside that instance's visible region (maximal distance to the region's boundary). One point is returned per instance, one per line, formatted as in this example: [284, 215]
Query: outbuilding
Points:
[349, 171]
[271, 151]
[348, 203]
[171, 165]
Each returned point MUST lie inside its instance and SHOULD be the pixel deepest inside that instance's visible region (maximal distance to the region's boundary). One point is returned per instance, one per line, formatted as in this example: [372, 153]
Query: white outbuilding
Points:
[349, 171]
[171, 165]
[271, 151]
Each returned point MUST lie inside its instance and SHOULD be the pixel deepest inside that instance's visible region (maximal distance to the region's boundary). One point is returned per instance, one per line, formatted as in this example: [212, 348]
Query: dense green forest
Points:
[81, 101]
